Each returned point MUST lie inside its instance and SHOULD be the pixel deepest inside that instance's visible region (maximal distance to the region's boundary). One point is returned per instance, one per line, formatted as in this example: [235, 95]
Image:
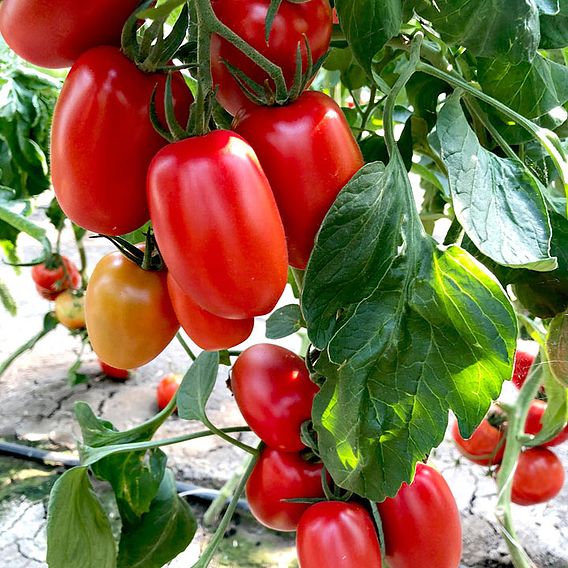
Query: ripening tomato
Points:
[308, 154]
[422, 524]
[486, 446]
[293, 23]
[103, 141]
[54, 34]
[524, 358]
[274, 392]
[113, 372]
[538, 478]
[208, 331]
[70, 309]
[278, 476]
[337, 535]
[533, 424]
[130, 318]
[167, 389]
[55, 276]
[217, 224]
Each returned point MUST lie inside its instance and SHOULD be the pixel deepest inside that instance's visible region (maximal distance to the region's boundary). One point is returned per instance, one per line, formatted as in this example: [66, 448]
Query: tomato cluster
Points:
[539, 475]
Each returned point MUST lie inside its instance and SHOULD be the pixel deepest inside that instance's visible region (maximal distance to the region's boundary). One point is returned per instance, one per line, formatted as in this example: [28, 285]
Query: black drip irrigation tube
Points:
[56, 459]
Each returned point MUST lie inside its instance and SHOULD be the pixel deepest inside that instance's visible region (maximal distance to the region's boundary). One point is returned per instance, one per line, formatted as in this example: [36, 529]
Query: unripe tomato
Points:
[278, 476]
[533, 424]
[167, 389]
[70, 310]
[422, 524]
[53, 34]
[524, 358]
[274, 392]
[337, 534]
[486, 446]
[538, 478]
[247, 18]
[217, 224]
[55, 276]
[207, 330]
[113, 372]
[103, 141]
[130, 318]
[309, 154]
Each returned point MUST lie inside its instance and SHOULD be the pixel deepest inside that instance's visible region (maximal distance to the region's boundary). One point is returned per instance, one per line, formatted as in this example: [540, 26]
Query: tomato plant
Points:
[538, 478]
[233, 234]
[309, 154]
[166, 390]
[294, 24]
[486, 445]
[533, 424]
[130, 319]
[334, 533]
[70, 309]
[70, 27]
[278, 476]
[524, 358]
[422, 524]
[274, 392]
[113, 372]
[53, 277]
[103, 141]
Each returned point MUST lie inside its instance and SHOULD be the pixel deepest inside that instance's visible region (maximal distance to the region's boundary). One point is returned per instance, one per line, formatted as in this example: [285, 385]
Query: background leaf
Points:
[554, 29]
[284, 321]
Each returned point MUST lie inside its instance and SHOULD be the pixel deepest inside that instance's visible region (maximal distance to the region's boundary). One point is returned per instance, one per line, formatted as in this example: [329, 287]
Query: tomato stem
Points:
[224, 436]
[185, 346]
[379, 527]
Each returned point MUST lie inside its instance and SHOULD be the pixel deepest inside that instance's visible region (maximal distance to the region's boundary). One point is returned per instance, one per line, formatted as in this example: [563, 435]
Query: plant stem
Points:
[299, 276]
[82, 259]
[368, 111]
[185, 346]
[214, 510]
[229, 439]
[209, 552]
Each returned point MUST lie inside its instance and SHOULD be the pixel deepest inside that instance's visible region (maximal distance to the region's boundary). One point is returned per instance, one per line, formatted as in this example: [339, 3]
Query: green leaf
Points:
[497, 201]
[488, 28]
[368, 25]
[7, 299]
[554, 29]
[78, 529]
[284, 321]
[55, 214]
[139, 235]
[556, 413]
[557, 348]
[197, 386]
[407, 331]
[532, 89]
[549, 7]
[162, 533]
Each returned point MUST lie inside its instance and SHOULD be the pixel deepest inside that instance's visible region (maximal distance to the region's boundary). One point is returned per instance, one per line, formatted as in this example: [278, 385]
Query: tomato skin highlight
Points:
[338, 535]
[55, 34]
[167, 389]
[538, 478]
[486, 446]
[422, 524]
[277, 476]
[103, 140]
[70, 310]
[533, 424]
[217, 224]
[50, 281]
[247, 19]
[208, 331]
[274, 393]
[309, 154]
[130, 319]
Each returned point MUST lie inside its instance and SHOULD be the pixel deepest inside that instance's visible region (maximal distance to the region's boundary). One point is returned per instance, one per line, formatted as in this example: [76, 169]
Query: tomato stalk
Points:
[185, 346]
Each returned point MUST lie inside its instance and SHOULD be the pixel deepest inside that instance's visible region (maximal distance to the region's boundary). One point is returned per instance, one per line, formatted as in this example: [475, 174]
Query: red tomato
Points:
[247, 19]
[309, 154]
[524, 358]
[113, 372]
[486, 445]
[217, 224]
[103, 141]
[54, 34]
[54, 276]
[207, 330]
[277, 476]
[422, 524]
[539, 477]
[338, 535]
[274, 392]
[167, 389]
[533, 424]
[130, 319]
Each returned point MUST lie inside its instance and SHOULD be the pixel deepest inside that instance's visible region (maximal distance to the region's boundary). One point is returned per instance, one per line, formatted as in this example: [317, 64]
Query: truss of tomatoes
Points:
[539, 475]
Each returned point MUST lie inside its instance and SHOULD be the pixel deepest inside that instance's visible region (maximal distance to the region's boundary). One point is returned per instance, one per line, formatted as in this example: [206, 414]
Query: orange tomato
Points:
[70, 310]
